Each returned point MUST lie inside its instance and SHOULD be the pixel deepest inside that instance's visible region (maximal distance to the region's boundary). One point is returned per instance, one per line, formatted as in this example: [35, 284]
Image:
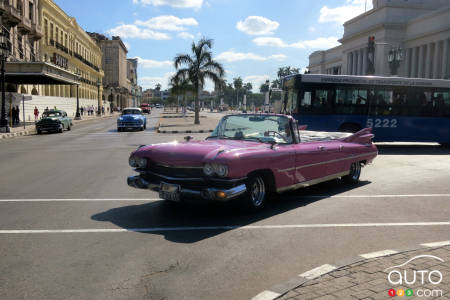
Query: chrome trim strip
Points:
[327, 162]
[172, 178]
[177, 167]
[312, 182]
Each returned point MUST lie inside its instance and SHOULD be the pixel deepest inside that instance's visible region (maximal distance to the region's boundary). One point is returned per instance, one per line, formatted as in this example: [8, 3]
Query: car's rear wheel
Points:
[256, 195]
[355, 173]
[39, 131]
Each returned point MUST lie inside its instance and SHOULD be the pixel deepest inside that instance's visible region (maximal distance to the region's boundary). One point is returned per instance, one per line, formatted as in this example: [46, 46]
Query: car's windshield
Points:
[263, 128]
[51, 114]
[132, 112]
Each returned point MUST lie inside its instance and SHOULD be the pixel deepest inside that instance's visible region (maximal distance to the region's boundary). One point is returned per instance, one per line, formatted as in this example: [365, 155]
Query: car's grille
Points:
[176, 172]
[129, 123]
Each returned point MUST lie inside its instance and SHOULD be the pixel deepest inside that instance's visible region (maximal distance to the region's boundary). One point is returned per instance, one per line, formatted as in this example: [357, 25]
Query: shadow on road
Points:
[393, 149]
[167, 214]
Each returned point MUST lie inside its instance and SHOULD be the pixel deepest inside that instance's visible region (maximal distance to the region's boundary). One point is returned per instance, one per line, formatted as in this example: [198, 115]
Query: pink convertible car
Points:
[249, 156]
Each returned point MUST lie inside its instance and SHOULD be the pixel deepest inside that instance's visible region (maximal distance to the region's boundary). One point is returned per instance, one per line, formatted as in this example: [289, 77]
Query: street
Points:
[106, 240]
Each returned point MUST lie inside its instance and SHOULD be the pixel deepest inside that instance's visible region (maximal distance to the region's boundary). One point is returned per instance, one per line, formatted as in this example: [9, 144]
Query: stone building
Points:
[419, 28]
[135, 89]
[50, 56]
[116, 85]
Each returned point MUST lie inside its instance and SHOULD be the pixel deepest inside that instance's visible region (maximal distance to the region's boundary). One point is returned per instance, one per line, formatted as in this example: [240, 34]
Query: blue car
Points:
[131, 118]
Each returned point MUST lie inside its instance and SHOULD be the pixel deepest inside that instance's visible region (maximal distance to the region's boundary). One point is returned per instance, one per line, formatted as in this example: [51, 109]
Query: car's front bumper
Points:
[130, 125]
[235, 188]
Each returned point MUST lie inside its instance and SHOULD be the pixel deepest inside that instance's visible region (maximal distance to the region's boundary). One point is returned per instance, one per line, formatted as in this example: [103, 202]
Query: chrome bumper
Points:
[207, 193]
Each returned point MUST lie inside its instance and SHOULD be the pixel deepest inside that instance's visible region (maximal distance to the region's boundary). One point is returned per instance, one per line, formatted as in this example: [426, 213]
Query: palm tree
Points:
[180, 85]
[198, 67]
[237, 82]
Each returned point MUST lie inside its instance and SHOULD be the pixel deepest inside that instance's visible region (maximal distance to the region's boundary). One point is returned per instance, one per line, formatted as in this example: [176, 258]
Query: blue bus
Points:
[398, 109]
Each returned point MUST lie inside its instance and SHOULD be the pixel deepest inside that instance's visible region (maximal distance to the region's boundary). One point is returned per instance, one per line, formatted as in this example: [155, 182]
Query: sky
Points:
[252, 38]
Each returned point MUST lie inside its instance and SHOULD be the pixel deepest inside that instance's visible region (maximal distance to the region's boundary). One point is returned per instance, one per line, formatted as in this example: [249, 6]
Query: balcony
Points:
[36, 31]
[25, 25]
[11, 15]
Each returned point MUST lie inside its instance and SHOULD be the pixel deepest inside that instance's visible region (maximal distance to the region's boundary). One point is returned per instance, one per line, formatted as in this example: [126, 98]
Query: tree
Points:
[248, 87]
[198, 67]
[237, 82]
[180, 86]
[283, 72]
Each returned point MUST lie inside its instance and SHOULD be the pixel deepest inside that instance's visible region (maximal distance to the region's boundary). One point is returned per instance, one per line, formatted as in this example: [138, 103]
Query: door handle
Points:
[321, 148]
[341, 147]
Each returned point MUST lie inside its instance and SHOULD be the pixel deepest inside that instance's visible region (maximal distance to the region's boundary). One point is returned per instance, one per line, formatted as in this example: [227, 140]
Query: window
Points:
[30, 11]
[65, 41]
[351, 100]
[51, 31]
[46, 30]
[57, 35]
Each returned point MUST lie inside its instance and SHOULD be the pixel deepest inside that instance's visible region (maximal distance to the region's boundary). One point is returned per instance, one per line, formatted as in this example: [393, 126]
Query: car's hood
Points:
[195, 153]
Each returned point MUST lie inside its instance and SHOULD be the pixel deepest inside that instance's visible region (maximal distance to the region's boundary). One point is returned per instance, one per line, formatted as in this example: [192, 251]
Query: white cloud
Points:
[148, 82]
[312, 29]
[133, 31]
[257, 25]
[321, 42]
[152, 64]
[343, 13]
[231, 56]
[170, 23]
[186, 35]
[173, 3]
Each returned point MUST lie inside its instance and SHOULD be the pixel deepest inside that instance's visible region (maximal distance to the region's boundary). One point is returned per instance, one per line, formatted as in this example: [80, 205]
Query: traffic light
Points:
[371, 42]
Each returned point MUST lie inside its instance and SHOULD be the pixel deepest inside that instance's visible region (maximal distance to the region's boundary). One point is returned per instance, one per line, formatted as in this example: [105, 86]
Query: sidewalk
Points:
[177, 123]
[375, 276]
[31, 129]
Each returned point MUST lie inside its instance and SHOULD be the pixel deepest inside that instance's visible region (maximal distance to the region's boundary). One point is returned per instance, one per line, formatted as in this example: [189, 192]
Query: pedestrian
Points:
[103, 110]
[82, 110]
[46, 109]
[17, 115]
[36, 113]
[55, 108]
[13, 115]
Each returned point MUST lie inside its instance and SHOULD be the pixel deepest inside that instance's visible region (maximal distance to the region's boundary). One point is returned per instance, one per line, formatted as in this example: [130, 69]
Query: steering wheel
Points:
[276, 133]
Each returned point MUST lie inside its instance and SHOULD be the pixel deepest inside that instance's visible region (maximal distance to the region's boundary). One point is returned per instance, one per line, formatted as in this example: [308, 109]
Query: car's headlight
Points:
[137, 162]
[221, 170]
[208, 170]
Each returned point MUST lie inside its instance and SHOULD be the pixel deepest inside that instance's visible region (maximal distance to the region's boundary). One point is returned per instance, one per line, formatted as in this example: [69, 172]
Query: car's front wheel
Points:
[355, 173]
[61, 128]
[256, 195]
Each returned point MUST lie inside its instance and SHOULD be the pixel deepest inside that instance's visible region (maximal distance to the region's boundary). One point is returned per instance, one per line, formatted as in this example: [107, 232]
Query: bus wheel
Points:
[349, 127]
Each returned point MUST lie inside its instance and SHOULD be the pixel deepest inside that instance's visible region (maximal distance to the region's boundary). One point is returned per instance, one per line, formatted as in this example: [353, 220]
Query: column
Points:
[350, 64]
[364, 61]
[445, 60]
[420, 61]
[436, 58]
[414, 62]
[428, 61]
[355, 63]
[360, 62]
[407, 63]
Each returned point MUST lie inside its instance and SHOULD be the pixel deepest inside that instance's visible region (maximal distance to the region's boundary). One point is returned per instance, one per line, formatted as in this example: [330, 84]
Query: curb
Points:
[183, 131]
[281, 289]
[33, 131]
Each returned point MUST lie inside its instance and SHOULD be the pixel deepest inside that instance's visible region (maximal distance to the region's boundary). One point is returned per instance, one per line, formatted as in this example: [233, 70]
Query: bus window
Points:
[382, 102]
[351, 101]
[441, 104]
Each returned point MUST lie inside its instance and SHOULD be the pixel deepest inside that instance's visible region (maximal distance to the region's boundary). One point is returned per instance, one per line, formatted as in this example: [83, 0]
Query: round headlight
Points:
[132, 161]
[221, 170]
[208, 170]
[141, 162]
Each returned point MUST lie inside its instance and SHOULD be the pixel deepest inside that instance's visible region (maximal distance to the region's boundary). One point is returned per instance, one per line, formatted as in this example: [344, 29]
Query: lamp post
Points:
[78, 115]
[395, 56]
[99, 111]
[4, 52]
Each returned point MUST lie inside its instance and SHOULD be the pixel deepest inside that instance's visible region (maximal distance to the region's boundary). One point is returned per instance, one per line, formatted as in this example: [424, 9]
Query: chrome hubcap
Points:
[258, 192]
[355, 171]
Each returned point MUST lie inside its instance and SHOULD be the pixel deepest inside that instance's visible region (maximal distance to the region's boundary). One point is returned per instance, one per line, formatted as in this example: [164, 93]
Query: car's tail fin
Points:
[363, 136]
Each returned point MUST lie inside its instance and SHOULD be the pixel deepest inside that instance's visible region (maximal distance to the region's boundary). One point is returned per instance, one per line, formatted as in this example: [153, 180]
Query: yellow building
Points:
[68, 46]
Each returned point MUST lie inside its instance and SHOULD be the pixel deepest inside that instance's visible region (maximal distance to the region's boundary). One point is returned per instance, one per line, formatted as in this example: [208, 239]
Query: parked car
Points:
[249, 156]
[53, 120]
[146, 108]
[131, 118]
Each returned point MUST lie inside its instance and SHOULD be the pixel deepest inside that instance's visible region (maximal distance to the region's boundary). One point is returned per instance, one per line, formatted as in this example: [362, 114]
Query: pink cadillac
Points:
[249, 156]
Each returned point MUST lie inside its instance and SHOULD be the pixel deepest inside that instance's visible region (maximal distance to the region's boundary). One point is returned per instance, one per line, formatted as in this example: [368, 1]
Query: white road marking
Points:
[306, 196]
[436, 244]
[319, 271]
[79, 200]
[225, 227]
[266, 295]
[378, 254]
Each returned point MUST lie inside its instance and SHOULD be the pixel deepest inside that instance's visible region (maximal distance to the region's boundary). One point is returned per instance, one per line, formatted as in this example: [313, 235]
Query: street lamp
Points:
[395, 56]
[78, 115]
[4, 53]
[99, 112]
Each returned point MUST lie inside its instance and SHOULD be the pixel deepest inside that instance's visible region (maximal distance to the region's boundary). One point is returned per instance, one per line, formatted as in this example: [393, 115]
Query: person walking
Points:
[13, 115]
[81, 110]
[17, 115]
[36, 113]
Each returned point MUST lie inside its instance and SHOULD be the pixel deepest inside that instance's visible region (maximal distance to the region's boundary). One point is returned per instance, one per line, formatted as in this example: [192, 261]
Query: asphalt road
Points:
[72, 184]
